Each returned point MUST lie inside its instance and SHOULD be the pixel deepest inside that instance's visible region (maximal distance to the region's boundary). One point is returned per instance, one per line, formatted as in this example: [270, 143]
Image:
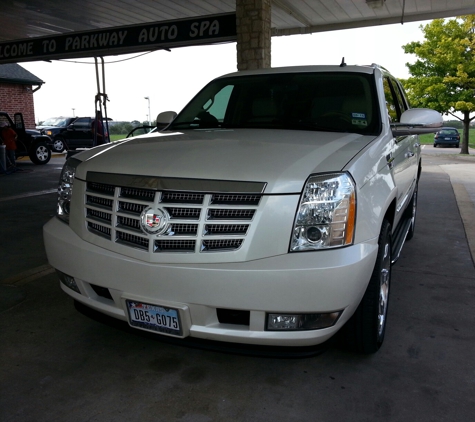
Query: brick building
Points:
[17, 86]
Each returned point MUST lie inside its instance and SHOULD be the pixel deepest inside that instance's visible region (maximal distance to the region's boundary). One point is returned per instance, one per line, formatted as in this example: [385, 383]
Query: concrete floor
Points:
[58, 365]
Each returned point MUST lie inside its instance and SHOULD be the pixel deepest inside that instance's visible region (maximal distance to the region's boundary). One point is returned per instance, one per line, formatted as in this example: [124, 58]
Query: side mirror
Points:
[417, 121]
[165, 118]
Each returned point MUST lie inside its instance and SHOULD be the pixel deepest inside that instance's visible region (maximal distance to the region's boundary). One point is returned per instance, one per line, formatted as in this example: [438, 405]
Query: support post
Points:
[253, 22]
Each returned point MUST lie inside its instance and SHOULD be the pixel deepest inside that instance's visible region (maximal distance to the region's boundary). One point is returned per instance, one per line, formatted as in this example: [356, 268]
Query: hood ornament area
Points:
[154, 221]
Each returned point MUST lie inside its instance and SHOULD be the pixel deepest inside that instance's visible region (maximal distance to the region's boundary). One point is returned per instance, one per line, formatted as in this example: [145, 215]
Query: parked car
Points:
[30, 143]
[78, 134]
[447, 136]
[54, 128]
[268, 212]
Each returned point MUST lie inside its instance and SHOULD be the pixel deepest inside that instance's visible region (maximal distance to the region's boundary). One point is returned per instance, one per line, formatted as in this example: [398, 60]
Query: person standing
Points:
[9, 137]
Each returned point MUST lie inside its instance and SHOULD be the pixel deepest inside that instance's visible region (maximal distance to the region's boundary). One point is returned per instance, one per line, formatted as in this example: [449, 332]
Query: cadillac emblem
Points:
[154, 220]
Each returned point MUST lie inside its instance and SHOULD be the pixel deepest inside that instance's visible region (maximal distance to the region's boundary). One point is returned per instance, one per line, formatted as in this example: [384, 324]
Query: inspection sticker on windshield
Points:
[359, 119]
[154, 317]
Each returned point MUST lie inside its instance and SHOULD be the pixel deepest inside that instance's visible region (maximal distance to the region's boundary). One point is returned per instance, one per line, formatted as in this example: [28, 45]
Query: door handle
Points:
[409, 154]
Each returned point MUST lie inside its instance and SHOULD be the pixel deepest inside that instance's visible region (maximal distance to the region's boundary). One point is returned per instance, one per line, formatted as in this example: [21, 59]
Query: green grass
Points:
[117, 137]
[428, 138]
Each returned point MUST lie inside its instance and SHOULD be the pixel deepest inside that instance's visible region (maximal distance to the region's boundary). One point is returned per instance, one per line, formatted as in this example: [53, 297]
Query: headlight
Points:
[48, 132]
[65, 188]
[327, 213]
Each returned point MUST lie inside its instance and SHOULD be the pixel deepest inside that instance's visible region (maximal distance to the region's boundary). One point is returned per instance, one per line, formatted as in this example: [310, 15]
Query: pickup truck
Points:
[268, 212]
[30, 143]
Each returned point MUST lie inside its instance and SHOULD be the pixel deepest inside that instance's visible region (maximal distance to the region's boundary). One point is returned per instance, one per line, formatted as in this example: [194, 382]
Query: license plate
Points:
[154, 317]
[448, 139]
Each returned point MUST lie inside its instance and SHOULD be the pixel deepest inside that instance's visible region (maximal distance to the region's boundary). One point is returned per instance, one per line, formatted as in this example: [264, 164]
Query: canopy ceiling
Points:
[43, 19]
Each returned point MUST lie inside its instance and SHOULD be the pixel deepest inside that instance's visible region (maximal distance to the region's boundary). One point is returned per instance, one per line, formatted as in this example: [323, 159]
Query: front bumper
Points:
[311, 282]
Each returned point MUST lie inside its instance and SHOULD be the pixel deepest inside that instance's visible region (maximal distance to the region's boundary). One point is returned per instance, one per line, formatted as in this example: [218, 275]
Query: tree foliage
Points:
[443, 76]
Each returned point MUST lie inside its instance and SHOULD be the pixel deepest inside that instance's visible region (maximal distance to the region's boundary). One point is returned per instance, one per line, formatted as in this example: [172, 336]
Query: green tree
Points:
[443, 76]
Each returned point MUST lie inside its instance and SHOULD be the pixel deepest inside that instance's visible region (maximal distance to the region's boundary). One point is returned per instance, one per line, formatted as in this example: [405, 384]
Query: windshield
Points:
[58, 122]
[337, 102]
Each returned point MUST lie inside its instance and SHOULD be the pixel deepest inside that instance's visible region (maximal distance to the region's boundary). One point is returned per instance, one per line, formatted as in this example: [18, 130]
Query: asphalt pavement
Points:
[58, 365]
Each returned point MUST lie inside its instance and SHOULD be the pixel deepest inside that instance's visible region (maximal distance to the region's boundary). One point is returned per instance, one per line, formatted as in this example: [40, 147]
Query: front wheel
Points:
[364, 332]
[40, 153]
[58, 145]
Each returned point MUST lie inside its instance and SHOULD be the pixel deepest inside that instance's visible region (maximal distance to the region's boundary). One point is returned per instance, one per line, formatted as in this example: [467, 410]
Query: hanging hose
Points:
[100, 123]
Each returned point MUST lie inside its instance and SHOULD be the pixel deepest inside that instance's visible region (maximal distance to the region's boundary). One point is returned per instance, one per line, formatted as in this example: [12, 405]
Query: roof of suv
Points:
[307, 69]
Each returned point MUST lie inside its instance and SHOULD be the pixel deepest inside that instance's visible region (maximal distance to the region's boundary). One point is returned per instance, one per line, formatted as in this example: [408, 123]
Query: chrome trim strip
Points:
[175, 183]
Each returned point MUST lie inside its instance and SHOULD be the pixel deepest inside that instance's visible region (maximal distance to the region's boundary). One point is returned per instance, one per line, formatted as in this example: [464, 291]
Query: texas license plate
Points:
[154, 317]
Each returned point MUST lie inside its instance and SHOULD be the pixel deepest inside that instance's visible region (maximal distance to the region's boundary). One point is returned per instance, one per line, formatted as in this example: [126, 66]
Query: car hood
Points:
[283, 159]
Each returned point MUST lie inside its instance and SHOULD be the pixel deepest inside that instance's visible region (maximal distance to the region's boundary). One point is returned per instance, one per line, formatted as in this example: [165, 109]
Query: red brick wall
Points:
[18, 98]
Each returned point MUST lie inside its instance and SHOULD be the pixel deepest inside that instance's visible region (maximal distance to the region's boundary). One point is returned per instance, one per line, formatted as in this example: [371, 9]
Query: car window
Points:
[83, 123]
[395, 103]
[342, 102]
[448, 132]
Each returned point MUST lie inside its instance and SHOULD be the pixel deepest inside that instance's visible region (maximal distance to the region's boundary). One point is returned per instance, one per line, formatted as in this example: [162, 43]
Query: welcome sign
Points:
[122, 40]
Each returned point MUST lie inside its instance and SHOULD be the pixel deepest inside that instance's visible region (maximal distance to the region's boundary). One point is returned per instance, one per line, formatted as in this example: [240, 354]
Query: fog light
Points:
[68, 281]
[294, 322]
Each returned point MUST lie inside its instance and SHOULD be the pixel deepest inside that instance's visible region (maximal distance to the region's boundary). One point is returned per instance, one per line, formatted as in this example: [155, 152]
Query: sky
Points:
[171, 79]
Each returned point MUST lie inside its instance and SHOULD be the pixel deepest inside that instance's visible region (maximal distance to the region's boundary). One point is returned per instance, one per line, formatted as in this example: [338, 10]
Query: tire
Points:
[364, 331]
[435, 145]
[58, 144]
[411, 213]
[40, 153]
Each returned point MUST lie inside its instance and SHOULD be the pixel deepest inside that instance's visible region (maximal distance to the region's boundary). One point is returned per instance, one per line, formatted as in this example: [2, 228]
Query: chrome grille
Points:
[216, 229]
[230, 214]
[127, 222]
[132, 240]
[182, 198]
[197, 221]
[229, 199]
[145, 194]
[99, 202]
[131, 207]
[221, 244]
[99, 229]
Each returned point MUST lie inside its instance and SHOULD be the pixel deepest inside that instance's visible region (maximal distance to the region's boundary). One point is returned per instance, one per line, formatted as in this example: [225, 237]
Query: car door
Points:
[404, 160]
[79, 134]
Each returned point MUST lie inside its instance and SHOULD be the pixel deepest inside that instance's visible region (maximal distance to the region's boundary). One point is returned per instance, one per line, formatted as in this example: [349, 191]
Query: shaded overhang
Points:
[53, 29]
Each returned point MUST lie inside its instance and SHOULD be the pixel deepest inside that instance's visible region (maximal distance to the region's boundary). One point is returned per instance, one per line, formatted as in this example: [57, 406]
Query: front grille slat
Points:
[235, 199]
[132, 240]
[230, 214]
[174, 246]
[225, 229]
[221, 244]
[197, 221]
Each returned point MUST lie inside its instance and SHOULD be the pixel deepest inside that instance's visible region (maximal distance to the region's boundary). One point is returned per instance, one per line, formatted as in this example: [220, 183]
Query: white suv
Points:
[268, 212]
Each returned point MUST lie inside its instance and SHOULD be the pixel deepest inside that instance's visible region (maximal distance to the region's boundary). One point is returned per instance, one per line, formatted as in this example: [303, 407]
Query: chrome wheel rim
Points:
[384, 279]
[42, 153]
[58, 145]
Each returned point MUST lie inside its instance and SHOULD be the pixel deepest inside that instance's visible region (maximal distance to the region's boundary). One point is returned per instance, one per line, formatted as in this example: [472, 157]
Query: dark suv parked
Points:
[79, 134]
[30, 142]
[54, 128]
[447, 136]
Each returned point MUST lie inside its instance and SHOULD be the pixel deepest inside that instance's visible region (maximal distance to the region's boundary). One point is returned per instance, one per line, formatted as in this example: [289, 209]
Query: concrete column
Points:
[253, 21]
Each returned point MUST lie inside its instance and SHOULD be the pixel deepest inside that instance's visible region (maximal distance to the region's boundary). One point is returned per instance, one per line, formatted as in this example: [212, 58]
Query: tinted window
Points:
[342, 102]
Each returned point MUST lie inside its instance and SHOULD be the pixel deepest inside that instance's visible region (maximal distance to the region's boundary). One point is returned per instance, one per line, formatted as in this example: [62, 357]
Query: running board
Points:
[399, 237]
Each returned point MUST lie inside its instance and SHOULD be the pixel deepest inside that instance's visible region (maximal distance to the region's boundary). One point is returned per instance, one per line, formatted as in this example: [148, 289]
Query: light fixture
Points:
[148, 117]
[375, 4]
